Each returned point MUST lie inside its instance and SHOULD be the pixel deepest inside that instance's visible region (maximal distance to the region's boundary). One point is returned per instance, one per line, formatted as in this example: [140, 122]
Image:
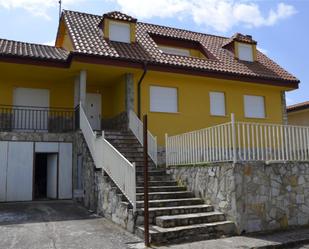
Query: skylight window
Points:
[175, 51]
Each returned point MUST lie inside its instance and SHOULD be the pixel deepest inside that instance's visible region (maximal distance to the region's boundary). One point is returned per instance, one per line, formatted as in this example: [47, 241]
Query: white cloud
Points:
[220, 15]
[35, 7]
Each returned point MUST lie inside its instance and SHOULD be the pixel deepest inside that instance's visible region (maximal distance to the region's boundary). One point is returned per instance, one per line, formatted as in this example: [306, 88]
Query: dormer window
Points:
[118, 27]
[245, 52]
[119, 32]
[175, 51]
[242, 46]
[182, 47]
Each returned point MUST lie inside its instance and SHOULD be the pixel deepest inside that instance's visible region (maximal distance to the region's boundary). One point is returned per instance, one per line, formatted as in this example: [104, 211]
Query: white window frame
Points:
[119, 32]
[245, 52]
[217, 108]
[165, 102]
[251, 105]
[174, 51]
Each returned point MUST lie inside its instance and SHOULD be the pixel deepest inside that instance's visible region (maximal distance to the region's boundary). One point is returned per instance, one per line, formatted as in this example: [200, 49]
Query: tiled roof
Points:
[116, 15]
[298, 107]
[29, 50]
[88, 39]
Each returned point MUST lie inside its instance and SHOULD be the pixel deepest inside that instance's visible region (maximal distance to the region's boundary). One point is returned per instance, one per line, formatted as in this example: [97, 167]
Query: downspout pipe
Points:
[139, 84]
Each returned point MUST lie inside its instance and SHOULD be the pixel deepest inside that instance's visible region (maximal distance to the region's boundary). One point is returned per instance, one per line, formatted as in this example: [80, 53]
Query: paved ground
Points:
[58, 225]
[66, 225]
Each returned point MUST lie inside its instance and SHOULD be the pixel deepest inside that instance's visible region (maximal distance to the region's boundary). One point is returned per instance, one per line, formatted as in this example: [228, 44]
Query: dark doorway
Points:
[40, 176]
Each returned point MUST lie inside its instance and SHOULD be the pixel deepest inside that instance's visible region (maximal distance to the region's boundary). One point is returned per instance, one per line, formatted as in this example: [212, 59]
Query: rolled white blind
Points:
[119, 32]
[217, 103]
[245, 52]
[163, 99]
[254, 106]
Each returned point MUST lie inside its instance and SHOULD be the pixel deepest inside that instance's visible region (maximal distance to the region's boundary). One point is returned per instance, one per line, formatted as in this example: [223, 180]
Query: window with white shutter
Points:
[217, 103]
[245, 52]
[254, 106]
[119, 32]
[163, 99]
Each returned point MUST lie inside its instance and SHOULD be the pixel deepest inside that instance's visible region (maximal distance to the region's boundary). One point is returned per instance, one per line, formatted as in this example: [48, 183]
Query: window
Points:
[175, 51]
[254, 106]
[245, 52]
[163, 99]
[119, 32]
[217, 103]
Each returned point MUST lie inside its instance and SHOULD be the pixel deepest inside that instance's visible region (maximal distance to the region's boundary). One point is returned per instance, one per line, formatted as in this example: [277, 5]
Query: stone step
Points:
[151, 172]
[190, 233]
[165, 195]
[189, 219]
[171, 202]
[162, 211]
[124, 141]
[140, 178]
[154, 189]
[119, 136]
[126, 149]
[158, 183]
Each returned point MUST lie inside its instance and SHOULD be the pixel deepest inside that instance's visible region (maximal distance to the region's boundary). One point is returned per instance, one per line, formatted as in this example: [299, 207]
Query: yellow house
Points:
[298, 114]
[183, 80]
[72, 111]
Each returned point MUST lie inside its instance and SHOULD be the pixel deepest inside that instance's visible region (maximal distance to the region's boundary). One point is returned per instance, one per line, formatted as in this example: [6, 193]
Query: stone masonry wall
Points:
[256, 196]
[100, 194]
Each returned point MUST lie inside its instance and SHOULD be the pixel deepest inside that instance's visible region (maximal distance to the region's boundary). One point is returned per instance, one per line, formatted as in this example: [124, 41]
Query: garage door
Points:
[16, 169]
[16, 164]
[30, 113]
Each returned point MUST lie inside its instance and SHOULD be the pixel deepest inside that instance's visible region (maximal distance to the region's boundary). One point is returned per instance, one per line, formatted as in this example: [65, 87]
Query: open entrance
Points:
[45, 176]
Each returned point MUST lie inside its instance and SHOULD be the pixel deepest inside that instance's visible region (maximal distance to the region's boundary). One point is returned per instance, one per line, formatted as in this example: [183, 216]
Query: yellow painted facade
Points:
[193, 94]
[299, 117]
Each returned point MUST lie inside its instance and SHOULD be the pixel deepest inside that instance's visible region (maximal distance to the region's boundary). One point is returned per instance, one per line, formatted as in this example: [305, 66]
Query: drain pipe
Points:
[139, 90]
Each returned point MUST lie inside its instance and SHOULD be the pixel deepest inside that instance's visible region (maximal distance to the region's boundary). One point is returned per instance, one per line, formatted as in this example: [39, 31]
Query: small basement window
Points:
[245, 52]
[175, 51]
[217, 103]
[254, 106]
[163, 99]
[119, 32]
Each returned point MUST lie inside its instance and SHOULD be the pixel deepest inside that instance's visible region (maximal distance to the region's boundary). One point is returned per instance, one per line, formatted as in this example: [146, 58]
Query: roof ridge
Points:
[30, 43]
[146, 23]
[81, 12]
[180, 29]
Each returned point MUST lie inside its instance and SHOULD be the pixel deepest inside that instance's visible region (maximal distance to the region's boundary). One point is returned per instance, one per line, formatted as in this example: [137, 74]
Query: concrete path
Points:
[58, 225]
[66, 225]
[297, 239]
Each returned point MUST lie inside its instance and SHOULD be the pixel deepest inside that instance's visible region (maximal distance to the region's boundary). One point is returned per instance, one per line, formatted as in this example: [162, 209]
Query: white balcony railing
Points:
[239, 141]
[105, 156]
[136, 126]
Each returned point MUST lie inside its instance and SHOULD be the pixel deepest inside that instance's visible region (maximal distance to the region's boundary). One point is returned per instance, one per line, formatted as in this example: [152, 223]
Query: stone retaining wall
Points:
[256, 196]
[100, 193]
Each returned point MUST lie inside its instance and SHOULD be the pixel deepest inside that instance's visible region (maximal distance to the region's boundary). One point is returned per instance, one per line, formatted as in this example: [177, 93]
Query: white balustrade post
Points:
[233, 137]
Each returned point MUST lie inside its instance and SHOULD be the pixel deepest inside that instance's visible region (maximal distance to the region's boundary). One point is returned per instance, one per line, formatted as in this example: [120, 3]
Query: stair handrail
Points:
[107, 157]
[136, 126]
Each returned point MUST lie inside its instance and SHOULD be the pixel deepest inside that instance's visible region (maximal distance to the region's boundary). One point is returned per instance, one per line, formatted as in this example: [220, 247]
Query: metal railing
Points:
[32, 118]
[136, 126]
[105, 156]
[239, 141]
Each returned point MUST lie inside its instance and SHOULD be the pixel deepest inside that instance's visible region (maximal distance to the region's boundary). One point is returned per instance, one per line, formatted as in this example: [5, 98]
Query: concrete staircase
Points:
[175, 214]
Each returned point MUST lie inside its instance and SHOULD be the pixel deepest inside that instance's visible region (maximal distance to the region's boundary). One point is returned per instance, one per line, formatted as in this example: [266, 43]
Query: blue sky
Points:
[280, 27]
